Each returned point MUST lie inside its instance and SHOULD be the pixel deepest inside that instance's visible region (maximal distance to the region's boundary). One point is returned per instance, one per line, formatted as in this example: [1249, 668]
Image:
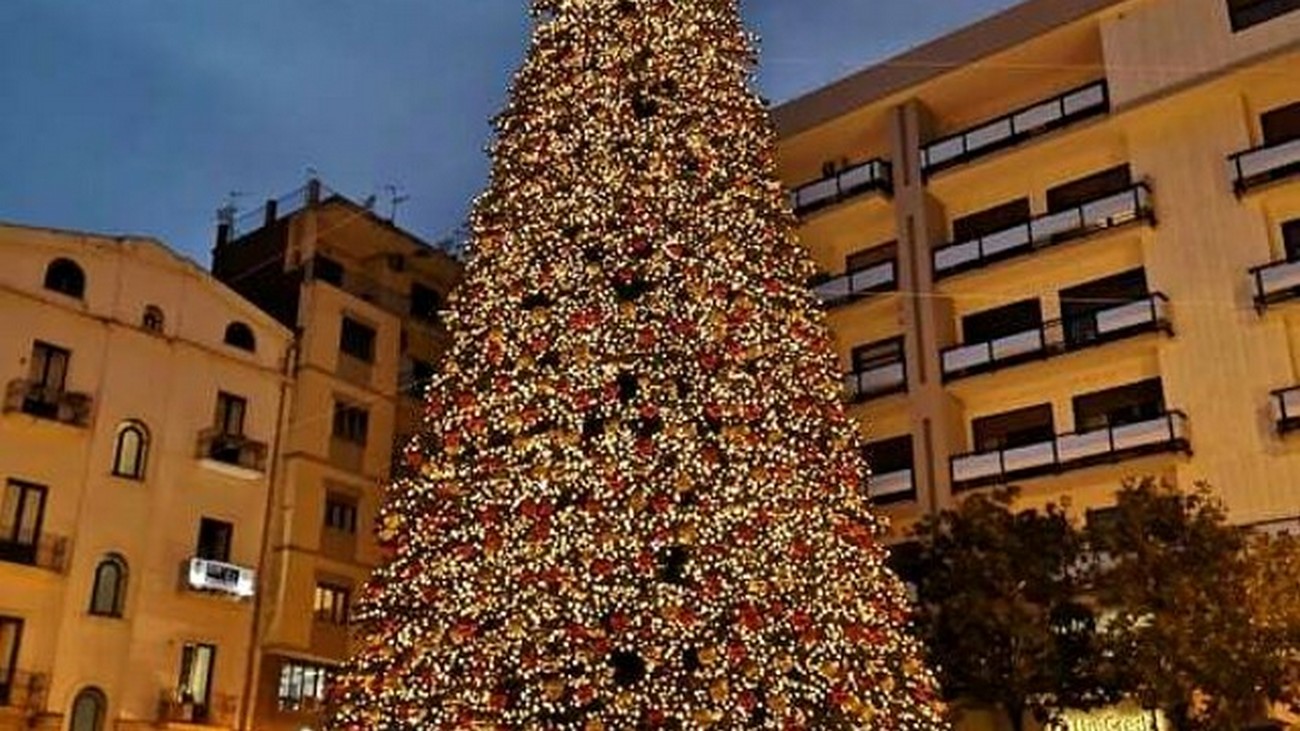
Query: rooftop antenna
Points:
[228, 210]
[395, 199]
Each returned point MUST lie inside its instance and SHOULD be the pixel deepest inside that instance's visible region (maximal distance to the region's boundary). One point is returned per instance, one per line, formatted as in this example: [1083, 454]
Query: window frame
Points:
[336, 610]
[190, 653]
[65, 267]
[153, 319]
[117, 590]
[240, 335]
[223, 548]
[222, 418]
[341, 512]
[9, 665]
[363, 341]
[299, 682]
[94, 695]
[25, 491]
[351, 423]
[141, 461]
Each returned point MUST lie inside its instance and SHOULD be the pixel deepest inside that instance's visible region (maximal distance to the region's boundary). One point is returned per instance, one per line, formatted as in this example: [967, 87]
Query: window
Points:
[331, 604]
[1090, 188]
[195, 683]
[1291, 239]
[11, 634]
[992, 220]
[108, 594]
[302, 687]
[1280, 125]
[239, 335]
[890, 457]
[1246, 13]
[130, 450]
[341, 513]
[1013, 429]
[999, 322]
[1080, 304]
[22, 511]
[152, 320]
[88, 710]
[1130, 404]
[230, 414]
[418, 377]
[47, 373]
[65, 277]
[215, 537]
[879, 354]
[425, 302]
[327, 270]
[351, 423]
[357, 340]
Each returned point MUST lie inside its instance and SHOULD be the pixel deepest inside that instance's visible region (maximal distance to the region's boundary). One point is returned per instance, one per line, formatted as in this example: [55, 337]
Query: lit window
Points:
[130, 451]
[331, 605]
[302, 687]
[109, 592]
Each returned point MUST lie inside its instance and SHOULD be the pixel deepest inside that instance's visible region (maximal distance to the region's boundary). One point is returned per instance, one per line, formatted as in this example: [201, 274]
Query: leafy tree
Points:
[999, 609]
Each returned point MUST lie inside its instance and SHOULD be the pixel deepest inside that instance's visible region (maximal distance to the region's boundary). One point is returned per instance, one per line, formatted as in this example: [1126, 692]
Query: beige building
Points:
[364, 298]
[141, 401]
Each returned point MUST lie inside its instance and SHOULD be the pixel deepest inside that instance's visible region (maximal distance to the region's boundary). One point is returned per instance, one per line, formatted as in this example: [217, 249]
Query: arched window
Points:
[130, 450]
[108, 595]
[152, 319]
[239, 335]
[88, 710]
[65, 277]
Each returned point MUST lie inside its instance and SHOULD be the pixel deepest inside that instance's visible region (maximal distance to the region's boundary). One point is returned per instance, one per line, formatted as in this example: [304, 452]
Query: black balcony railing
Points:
[236, 450]
[24, 690]
[46, 402]
[1276, 282]
[1016, 127]
[1056, 337]
[43, 552]
[1111, 211]
[871, 176]
[855, 285]
[1264, 164]
[876, 382]
[1167, 432]
[1286, 409]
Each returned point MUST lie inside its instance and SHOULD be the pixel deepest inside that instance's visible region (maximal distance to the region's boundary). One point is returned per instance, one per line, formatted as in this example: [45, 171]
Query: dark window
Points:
[992, 220]
[130, 450]
[331, 604]
[351, 423]
[889, 455]
[341, 513]
[1080, 303]
[88, 710]
[194, 686]
[1136, 402]
[65, 277]
[22, 511]
[867, 258]
[327, 270]
[357, 340]
[1291, 239]
[230, 414]
[1013, 429]
[302, 686]
[11, 634]
[1245, 13]
[239, 335]
[48, 373]
[153, 319]
[425, 302]
[419, 377]
[108, 593]
[1017, 317]
[215, 537]
[1280, 125]
[877, 355]
[1090, 188]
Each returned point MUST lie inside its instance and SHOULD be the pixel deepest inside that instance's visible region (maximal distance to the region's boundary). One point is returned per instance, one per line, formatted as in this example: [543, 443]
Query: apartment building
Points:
[363, 297]
[1062, 247]
[141, 401]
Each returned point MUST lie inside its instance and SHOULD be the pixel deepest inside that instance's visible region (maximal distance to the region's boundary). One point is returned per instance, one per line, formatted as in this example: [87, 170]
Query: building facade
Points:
[1061, 248]
[364, 298]
[142, 399]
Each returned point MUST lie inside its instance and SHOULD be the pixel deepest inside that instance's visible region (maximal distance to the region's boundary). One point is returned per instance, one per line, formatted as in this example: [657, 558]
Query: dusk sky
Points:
[141, 116]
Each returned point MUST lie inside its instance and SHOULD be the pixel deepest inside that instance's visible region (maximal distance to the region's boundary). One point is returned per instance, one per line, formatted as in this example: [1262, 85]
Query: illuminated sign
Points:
[1111, 719]
[208, 575]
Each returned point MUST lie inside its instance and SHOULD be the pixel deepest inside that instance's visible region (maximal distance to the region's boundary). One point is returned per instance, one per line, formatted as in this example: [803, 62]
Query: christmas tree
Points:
[637, 501]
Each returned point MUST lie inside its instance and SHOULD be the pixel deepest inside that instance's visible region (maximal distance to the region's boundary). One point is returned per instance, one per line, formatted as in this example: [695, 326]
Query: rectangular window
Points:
[889, 455]
[1080, 303]
[867, 258]
[331, 604]
[991, 220]
[195, 683]
[1019, 428]
[22, 511]
[1280, 125]
[215, 538]
[231, 410]
[341, 513]
[302, 687]
[11, 634]
[1246, 13]
[1098, 185]
[425, 302]
[357, 340]
[877, 355]
[416, 376]
[1130, 404]
[327, 270]
[1291, 239]
[1017, 317]
[49, 368]
[351, 423]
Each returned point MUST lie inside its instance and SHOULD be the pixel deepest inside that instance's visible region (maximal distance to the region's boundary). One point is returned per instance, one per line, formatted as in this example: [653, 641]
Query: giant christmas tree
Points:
[637, 501]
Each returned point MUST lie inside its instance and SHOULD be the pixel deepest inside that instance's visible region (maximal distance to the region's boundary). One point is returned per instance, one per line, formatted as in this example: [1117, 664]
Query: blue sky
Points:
[142, 116]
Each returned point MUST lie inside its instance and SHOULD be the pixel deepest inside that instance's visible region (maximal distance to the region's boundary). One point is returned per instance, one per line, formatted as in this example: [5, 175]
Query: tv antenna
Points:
[395, 198]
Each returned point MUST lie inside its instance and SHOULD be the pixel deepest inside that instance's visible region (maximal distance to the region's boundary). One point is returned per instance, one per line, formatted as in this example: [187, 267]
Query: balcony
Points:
[1166, 433]
[1016, 127]
[856, 285]
[219, 710]
[871, 176]
[1150, 314]
[24, 690]
[1286, 409]
[45, 552]
[1262, 165]
[223, 451]
[1118, 209]
[45, 402]
[874, 383]
[1276, 282]
[892, 487]
[377, 293]
[218, 577]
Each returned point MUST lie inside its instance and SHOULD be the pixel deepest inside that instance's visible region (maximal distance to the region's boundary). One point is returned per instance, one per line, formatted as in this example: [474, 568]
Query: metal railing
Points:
[1015, 127]
[1055, 337]
[870, 176]
[43, 552]
[1111, 211]
[855, 285]
[1165, 433]
[24, 690]
[220, 709]
[877, 382]
[236, 450]
[892, 487]
[45, 402]
[1286, 409]
[242, 224]
[1264, 164]
[1276, 282]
